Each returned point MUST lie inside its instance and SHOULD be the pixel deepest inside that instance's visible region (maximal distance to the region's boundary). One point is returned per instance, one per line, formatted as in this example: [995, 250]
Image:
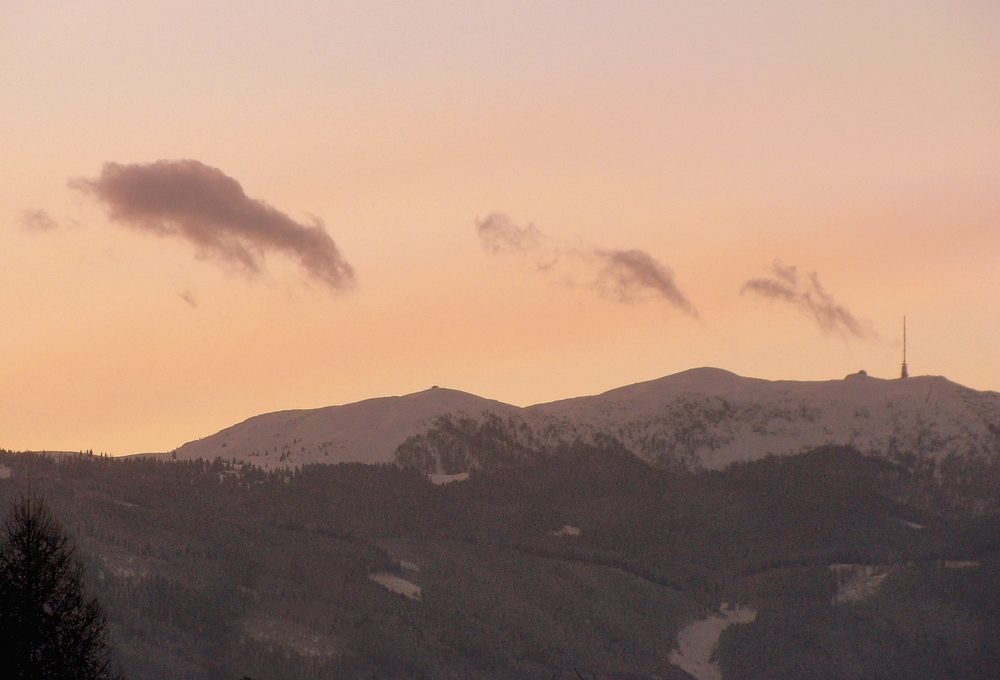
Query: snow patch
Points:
[697, 642]
[961, 564]
[445, 479]
[396, 584]
[302, 639]
[567, 530]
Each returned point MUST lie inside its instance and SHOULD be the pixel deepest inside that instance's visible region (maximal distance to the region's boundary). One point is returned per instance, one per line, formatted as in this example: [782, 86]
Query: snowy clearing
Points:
[696, 642]
[396, 584]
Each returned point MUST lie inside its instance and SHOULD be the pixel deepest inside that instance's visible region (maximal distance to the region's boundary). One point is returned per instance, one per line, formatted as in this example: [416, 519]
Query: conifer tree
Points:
[49, 629]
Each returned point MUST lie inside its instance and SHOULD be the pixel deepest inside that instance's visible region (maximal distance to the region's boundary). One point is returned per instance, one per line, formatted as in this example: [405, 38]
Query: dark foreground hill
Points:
[584, 558]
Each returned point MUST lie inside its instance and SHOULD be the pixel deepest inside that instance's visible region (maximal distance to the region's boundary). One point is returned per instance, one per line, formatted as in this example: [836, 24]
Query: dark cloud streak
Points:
[811, 299]
[189, 298]
[628, 273]
[202, 205]
[770, 288]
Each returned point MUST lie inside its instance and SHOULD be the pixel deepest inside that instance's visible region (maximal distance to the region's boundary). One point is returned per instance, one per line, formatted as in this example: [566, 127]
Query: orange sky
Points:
[855, 140]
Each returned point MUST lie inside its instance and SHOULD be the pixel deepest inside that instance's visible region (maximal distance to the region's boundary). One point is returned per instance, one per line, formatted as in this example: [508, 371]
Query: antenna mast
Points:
[906, 371]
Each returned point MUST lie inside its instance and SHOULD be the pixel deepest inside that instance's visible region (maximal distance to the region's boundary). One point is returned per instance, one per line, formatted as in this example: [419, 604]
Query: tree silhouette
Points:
[48, 628]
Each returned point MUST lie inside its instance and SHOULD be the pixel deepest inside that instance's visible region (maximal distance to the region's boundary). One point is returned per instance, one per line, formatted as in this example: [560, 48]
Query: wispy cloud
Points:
[808, 295]
[37, 220]
[202, 205]
[498, 233]
[626, 276]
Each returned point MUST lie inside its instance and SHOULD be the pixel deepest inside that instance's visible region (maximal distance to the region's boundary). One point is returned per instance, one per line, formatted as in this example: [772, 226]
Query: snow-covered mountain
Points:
[712, 417]
[366, 431]
[706, 417]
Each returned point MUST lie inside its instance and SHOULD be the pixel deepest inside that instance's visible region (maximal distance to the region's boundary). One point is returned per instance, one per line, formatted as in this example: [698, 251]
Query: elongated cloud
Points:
[38, 220]
[809, 296]
[629, 273]
[201, 204]
[624, 275]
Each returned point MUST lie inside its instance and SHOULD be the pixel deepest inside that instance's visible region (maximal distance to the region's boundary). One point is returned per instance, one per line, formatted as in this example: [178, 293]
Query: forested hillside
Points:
[584, 558]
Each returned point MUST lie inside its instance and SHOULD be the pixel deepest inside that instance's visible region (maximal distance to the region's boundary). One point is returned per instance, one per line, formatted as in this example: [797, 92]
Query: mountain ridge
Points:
[701, 417]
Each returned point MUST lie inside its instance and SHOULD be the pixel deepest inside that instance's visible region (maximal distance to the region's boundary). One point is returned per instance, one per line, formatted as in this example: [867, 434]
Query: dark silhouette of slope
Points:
[217, 570]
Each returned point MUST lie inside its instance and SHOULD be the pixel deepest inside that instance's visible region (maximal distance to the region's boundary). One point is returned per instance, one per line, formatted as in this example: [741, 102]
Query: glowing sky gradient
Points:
[712, 143]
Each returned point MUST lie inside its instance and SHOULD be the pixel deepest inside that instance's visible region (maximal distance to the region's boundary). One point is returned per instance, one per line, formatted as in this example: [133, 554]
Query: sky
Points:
[214, 210]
